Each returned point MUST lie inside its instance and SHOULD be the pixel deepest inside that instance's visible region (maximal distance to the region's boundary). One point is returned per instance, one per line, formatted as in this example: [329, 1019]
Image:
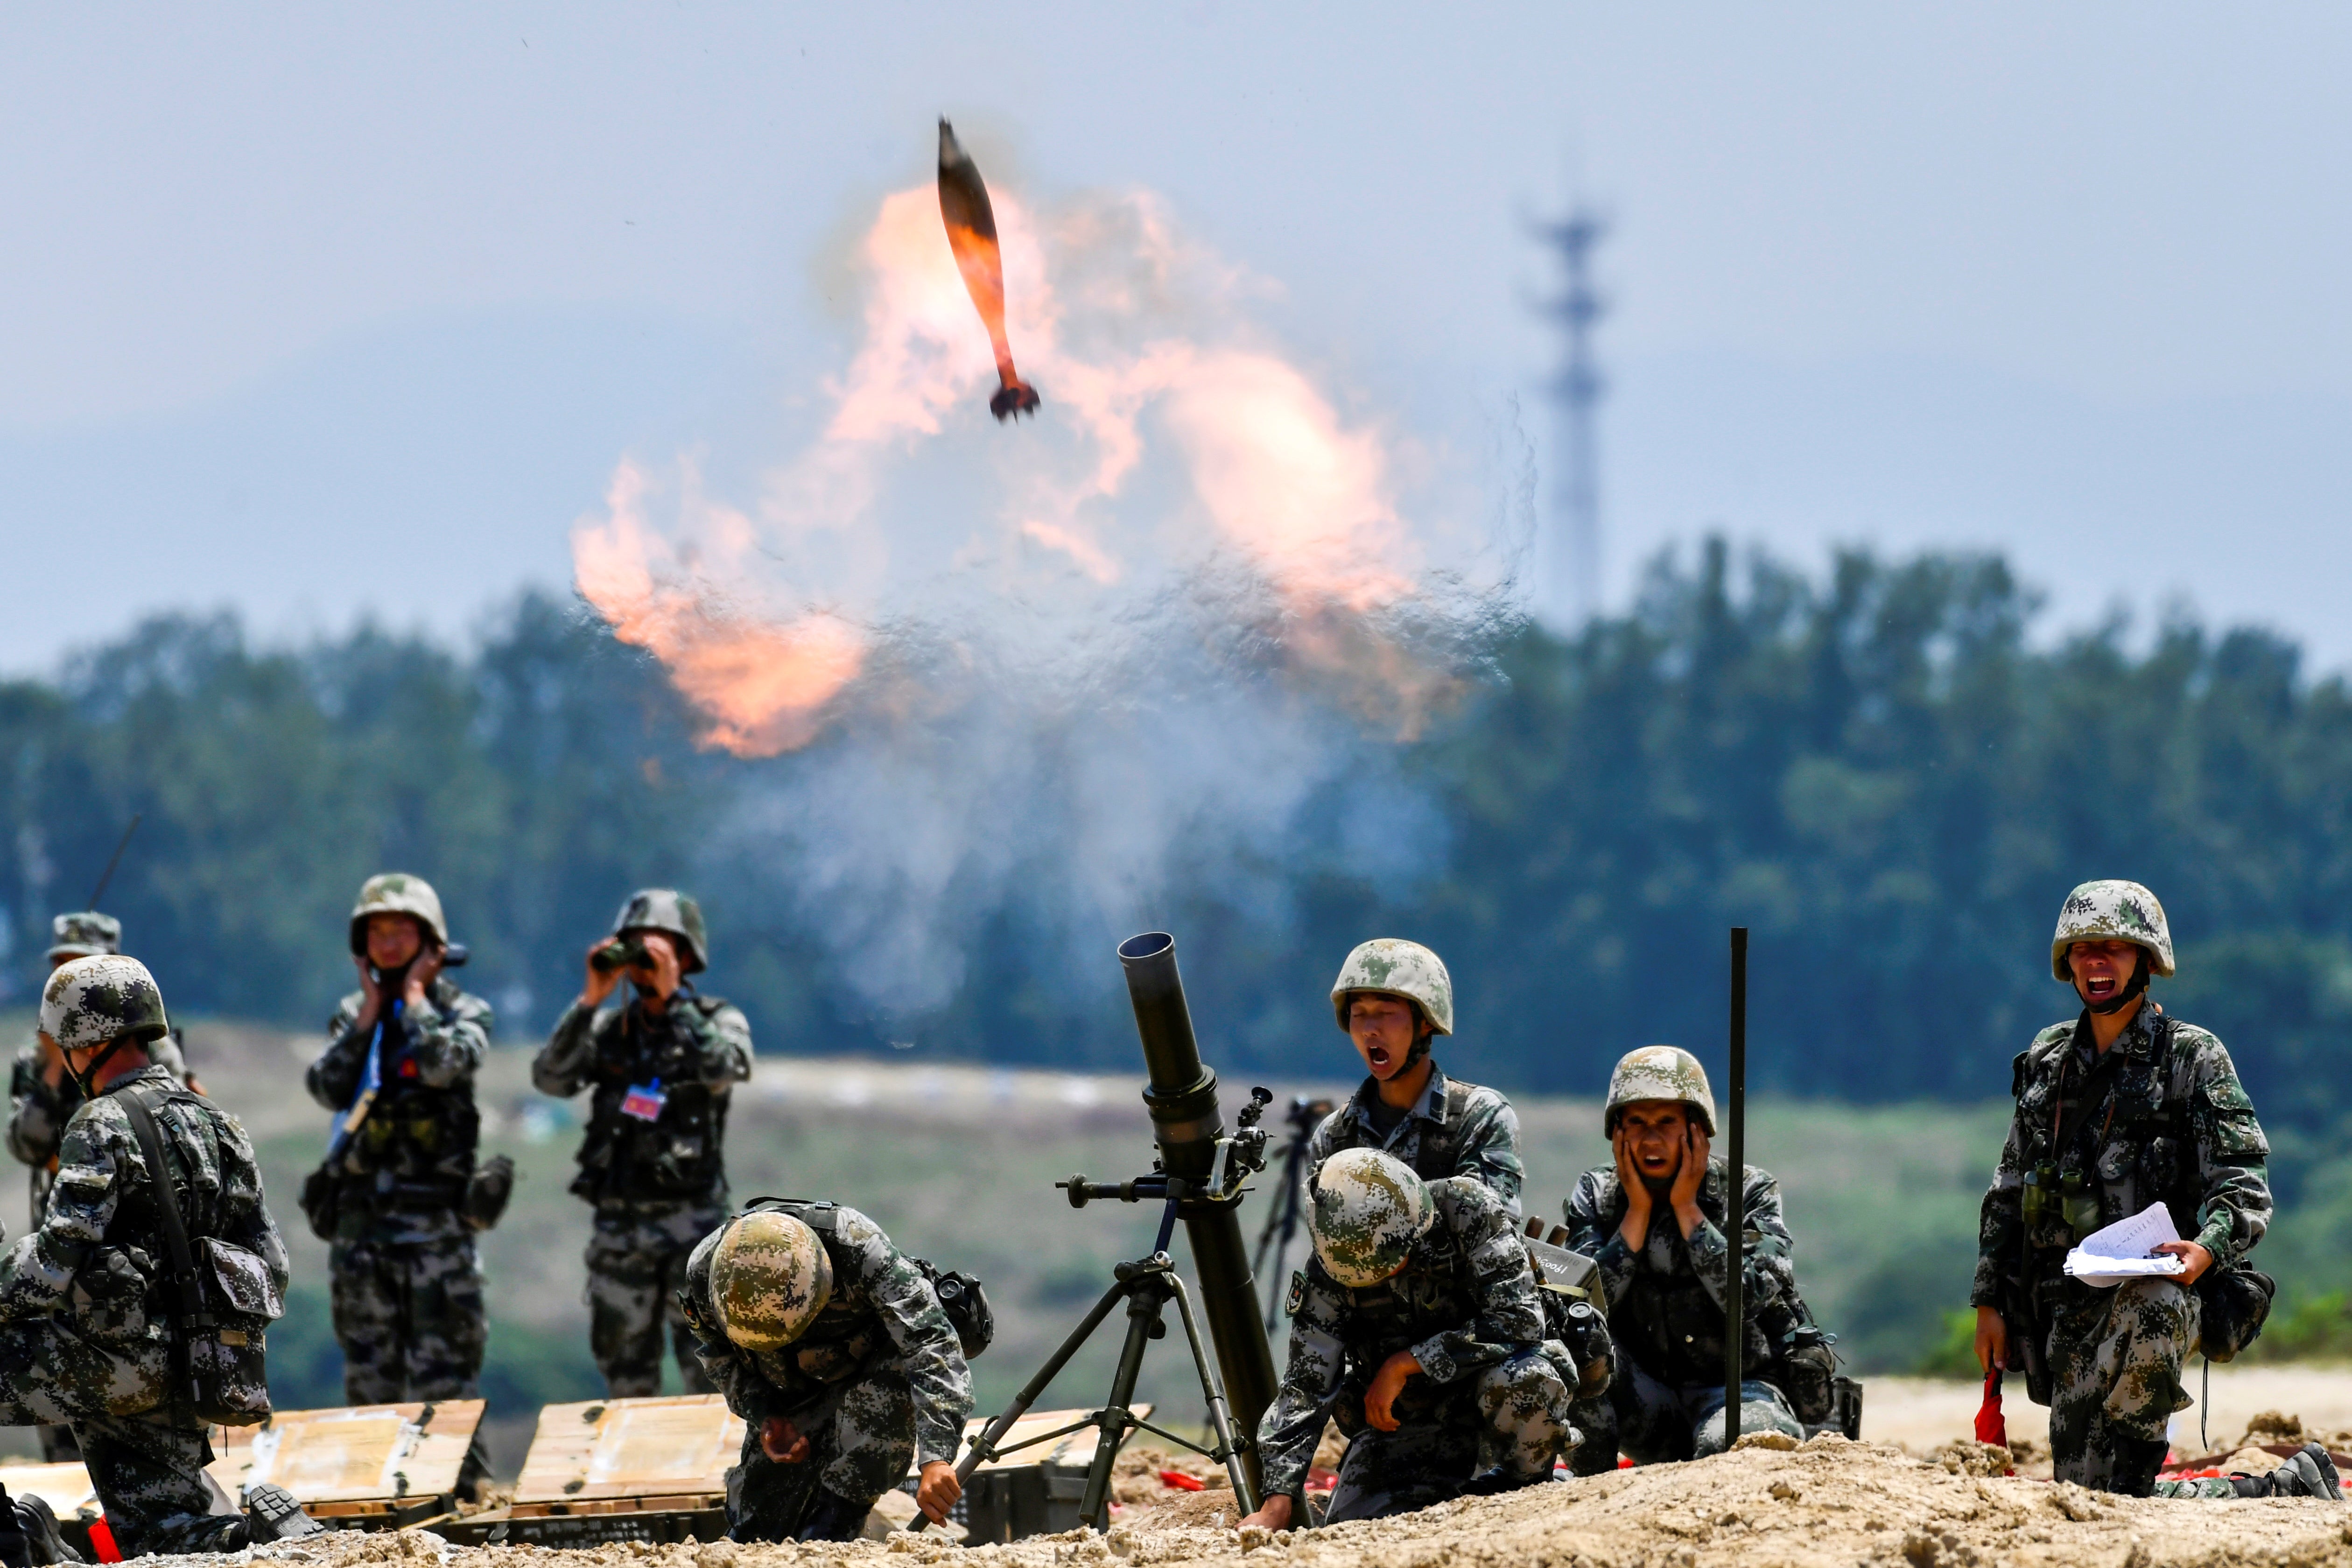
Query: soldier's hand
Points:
[2198, 1257]
[938, 1490]
[1635, 1226]
[1274, 1513]
[422, 971]
[371, 993]
[1688, 1176]
[600, 980]
[781, 1441]
[1387, 1383]
[661, 971]
[1992, 1339]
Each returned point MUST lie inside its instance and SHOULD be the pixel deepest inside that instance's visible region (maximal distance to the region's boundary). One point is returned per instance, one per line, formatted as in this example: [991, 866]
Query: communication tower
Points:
[1571, 560]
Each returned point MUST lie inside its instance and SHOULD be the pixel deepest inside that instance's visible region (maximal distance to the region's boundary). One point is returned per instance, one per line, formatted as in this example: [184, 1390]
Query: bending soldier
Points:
[1416, 1326]
[833, 1347]
[45, 1096]
[87, 1305]
[400, 1061]
[1653, 1220]
[2119, 1107]
[1391, 997]
[661, 1068]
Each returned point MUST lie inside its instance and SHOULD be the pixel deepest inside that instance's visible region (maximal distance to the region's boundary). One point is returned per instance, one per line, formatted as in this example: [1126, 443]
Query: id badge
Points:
[645, 1100]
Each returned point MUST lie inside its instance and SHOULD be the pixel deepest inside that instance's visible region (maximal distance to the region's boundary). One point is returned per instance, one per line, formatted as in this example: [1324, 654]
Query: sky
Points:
[317, 312]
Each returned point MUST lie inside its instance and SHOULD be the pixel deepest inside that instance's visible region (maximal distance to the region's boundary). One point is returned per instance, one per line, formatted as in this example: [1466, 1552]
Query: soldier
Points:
[400, 1060]
[86, 1308]
[833, 1347]
[653, 1164]
[1654, 1221]
[45, 1096]
[1415, 1326]
[2118, 1108]
[1391, 998]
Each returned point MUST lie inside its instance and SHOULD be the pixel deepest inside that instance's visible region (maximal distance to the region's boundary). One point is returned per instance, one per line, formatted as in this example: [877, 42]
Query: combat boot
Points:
[272, 1514]
[15, 1552]
[43, 1543]
[2310, 1473]
[832, 1517]
[2137, 1460]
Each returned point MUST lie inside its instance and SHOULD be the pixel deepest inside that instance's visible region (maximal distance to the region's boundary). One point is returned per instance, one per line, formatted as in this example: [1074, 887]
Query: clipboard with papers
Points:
[2125, 1250]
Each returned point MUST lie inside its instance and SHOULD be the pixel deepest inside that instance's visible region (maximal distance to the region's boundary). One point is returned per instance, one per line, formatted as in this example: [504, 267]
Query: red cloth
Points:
[1992, 1427]
[1181, 1481]
[102, 1541]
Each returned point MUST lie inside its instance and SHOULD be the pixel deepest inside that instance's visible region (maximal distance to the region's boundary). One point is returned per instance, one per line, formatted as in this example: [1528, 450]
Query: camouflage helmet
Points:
[398, 893]
[1367, 1209]
[84, 934]
[2098, 911]
[769, 1277]
[1390, 966]
[1658, 1072]
[105, 997]
[667, 910]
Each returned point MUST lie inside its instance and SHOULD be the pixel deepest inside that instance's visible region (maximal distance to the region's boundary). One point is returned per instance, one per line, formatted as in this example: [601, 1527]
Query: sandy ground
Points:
[1921, 1415]
[1832, 1503]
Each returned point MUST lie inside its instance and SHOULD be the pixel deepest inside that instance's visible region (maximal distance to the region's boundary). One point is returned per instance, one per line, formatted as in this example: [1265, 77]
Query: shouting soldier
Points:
[653, 1162]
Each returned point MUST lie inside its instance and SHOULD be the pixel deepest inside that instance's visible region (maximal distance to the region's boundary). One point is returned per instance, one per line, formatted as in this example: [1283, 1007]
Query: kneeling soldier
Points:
[833, 1347]
[1654, 1221]
[87, 1302]
[1417, 1327]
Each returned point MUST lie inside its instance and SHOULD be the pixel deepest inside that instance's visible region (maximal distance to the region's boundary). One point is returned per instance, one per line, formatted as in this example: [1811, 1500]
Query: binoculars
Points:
[617, 954]
[2069, 1197]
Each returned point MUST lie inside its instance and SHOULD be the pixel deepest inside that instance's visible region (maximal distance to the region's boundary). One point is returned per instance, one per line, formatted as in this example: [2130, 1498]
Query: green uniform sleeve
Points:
[1770, 1271]
[2233, 1154]
[899, 1294]
[567, 1063]
[335, 1076]
[448, 1039]
[719, 1042]
[1293, 1424]
[37, 1272]
[1510, 1314]
[1592, 1213]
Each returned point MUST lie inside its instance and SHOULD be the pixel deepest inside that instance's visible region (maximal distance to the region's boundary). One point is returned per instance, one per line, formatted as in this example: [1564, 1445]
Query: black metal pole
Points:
[1735, 1202]
[1182, 1099]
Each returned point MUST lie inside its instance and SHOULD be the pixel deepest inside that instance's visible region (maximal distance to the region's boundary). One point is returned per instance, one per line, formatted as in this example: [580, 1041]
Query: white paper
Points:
[2126, 1250]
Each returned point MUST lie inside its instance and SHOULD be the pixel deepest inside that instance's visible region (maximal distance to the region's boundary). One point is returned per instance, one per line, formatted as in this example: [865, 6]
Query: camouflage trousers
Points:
[147, 1466]
[637, 1264]
[1512, 1417]
[2114, 1374]
[1655, 1421]
[410, 1318]
[861, 1438]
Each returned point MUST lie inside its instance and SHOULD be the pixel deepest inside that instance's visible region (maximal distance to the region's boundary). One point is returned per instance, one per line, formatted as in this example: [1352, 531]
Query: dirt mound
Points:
[1828, 1504]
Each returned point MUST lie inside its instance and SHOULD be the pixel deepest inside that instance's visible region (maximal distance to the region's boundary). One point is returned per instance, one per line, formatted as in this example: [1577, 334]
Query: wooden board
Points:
[65, 1488]
[629, 1454]
[363, 1458]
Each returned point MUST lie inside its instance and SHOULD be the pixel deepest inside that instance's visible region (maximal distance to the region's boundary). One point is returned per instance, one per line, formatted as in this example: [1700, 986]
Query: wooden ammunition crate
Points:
[368, 1466]
[617, 1469]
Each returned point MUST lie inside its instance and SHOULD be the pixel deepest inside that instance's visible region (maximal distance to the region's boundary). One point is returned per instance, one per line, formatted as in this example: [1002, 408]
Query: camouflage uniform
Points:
[2168, 1121]
[407, 1281]
[85, 1303]
[1665, 1314]
[659, 1186]
[876, 1383]
[1491, 1393]
[1455, 1129]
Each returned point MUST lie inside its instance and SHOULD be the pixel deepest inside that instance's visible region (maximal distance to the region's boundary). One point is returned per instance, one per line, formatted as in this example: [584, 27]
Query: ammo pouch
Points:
[321, 1200]
[961, 1295]
[227, 1302]
[2233, 1303]
[486, 1192]
[1809, 1375]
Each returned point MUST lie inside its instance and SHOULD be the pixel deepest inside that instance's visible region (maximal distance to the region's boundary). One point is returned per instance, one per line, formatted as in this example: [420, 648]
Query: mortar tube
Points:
[1186, 1124]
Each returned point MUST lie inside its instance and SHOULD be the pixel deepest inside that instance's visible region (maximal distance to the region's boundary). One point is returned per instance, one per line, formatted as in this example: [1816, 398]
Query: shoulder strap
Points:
[1433, 1159]
[818, 1216]
[167, 1209]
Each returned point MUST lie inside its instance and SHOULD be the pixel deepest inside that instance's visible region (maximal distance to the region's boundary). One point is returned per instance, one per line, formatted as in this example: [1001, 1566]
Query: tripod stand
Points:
[1147, 1285]
[1282, 1221]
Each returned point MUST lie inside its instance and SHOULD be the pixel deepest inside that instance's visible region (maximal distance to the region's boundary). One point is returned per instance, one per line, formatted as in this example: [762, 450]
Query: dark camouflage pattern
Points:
[667, 910]
[89, 1001]
[410, 1316]
[397, 1187]
[1658, 1072]
[1653, 1424]
[2181, 1130]
[1492, 1393]
[876, 1383]
[1365, 1212]
[1486, 1146]
[397, 893]
[2112, 911]
[1390, 966]
[85, 1305]
[637, 1253]
[2115, 1357]
[39, 1111]
[80, 934]
[1665, 1302]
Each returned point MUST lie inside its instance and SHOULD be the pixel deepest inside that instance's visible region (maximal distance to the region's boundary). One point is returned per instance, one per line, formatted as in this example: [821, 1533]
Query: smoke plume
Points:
[1063, 664]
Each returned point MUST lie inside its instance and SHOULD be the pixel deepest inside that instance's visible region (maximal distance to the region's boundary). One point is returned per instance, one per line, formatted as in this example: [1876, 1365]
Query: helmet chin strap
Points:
[87, 1079]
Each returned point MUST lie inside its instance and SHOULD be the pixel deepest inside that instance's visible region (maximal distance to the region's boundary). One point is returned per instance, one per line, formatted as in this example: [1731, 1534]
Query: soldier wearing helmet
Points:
[833, 1347]
[2118, 1108]
[44, 1095]
[89, 1305]
[1391, 998]
[398, 1071]
[662, 1066]
[1654, 1221]
[1417, 1326]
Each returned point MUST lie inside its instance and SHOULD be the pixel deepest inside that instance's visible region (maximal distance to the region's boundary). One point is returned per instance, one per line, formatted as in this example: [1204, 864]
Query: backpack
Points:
[961, 1295]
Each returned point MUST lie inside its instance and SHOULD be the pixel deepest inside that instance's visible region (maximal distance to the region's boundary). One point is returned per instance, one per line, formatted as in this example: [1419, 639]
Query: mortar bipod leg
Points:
[1220, 1419]
[1146, 1292]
